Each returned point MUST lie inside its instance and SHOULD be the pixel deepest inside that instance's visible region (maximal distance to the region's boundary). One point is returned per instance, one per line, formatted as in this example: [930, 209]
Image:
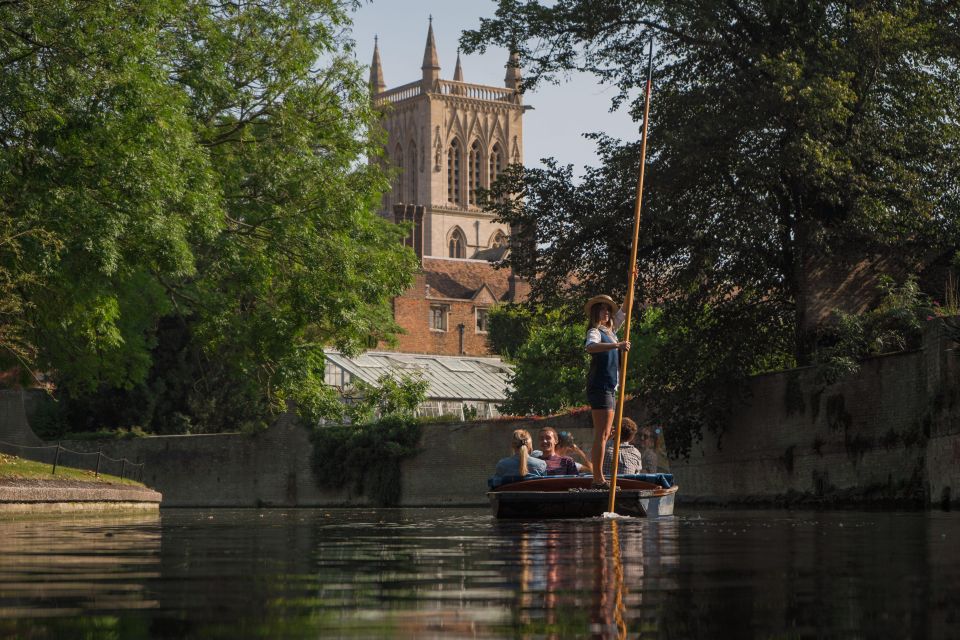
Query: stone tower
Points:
[446, 138]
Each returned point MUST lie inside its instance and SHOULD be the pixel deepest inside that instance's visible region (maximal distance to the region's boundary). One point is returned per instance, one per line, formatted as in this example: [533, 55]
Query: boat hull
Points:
[563, 501]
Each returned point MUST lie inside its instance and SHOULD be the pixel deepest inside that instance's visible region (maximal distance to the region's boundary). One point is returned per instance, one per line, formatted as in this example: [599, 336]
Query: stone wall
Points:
[14, 426]
[274, 468]
[892, 431]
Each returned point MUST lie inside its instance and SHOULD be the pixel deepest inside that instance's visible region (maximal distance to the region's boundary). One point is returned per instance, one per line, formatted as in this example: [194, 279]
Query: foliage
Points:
[366, 457]
[550, 364]
[775, 141]
[188, 216]
[894, 325]
[391, 396]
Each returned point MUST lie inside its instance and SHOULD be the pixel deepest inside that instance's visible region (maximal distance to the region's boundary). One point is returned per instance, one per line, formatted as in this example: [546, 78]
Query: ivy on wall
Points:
[366, 457]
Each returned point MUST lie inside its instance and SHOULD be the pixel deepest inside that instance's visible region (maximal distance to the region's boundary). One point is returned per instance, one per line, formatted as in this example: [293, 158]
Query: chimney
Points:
[519, 288]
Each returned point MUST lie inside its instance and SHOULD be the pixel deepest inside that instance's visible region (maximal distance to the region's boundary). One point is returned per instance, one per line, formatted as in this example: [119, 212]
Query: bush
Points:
[895, 325]
[366, 457]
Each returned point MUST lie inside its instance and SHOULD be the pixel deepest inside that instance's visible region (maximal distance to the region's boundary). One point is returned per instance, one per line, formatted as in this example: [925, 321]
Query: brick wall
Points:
[849, 280]
[462, 287]
[412, 313]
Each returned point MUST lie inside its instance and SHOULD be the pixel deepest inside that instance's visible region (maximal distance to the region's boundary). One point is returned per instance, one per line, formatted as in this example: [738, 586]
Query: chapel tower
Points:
[446, 138]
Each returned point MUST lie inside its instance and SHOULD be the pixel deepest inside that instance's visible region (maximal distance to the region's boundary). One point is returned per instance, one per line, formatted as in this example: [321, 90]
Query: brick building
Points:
[446, 138]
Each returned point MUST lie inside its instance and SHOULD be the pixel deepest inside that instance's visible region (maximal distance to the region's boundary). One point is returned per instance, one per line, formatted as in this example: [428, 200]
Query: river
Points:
[458, 573]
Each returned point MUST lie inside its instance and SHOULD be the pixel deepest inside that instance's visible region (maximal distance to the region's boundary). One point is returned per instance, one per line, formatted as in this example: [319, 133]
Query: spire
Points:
[431, 66]
[376, 71]
[512, 79]
[458, 72]
[430, 61]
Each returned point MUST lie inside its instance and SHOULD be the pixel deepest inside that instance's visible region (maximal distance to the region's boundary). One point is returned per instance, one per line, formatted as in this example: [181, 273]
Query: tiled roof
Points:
[448, 377]
[461, 279]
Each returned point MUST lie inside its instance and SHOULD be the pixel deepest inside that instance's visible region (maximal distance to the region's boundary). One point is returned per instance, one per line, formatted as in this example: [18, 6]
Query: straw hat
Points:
[605, 299]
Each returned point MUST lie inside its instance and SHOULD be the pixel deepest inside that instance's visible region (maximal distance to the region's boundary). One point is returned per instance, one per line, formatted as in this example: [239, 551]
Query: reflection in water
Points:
[576, 577]
[459, 573]
[67, 568]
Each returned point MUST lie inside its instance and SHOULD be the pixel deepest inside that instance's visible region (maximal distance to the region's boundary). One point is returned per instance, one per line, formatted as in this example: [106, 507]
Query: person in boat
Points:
[557, 465]
[567, 446]
[604, 375]
[521, 464]
[647, 440]
[630, 458]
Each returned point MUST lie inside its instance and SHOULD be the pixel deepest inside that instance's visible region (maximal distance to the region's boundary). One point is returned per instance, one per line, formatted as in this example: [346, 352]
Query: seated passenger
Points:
[630, 457]
[648, 446]
[521, 464]
[557, 465]
[567, 446]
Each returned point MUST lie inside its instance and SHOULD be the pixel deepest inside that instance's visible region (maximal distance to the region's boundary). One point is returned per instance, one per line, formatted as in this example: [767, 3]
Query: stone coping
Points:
[33, 491]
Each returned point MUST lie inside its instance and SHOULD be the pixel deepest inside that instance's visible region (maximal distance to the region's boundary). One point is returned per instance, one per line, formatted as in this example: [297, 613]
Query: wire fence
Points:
[58, 457]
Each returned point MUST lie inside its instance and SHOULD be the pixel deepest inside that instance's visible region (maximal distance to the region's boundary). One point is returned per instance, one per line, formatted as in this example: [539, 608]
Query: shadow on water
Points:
[459, 573]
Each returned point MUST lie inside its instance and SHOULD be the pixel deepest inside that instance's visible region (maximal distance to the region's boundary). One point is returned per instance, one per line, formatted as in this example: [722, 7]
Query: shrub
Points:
[366, 457]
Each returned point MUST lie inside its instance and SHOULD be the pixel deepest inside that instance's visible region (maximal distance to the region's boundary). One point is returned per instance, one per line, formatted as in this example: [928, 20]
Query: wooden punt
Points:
[572, 497]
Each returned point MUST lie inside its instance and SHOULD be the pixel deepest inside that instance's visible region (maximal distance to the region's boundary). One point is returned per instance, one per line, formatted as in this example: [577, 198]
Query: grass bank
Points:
[14, 468]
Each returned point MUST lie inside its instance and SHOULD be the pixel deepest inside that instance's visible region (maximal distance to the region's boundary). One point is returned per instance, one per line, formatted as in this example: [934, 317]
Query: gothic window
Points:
[473, 171]
[398, 185]
[457, 244]
[438, 317]
[499, 239]
[495, 159]
[411, 176]
[453, 172]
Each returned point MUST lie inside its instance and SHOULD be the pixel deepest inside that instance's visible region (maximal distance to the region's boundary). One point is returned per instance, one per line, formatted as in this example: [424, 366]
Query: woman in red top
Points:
[557, 465]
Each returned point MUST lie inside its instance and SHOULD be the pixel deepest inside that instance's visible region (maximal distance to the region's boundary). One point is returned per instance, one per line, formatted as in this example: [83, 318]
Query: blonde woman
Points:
[604, 376]
[521, 464]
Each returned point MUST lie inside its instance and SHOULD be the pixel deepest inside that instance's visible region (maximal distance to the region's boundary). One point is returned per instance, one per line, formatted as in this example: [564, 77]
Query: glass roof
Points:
[448, 377]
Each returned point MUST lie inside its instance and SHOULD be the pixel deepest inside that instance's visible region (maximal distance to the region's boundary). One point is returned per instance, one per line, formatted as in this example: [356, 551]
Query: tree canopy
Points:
[780, 134]
[188, 214]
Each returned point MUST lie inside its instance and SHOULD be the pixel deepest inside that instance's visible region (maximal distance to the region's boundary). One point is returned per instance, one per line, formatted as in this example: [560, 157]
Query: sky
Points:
[561, 113]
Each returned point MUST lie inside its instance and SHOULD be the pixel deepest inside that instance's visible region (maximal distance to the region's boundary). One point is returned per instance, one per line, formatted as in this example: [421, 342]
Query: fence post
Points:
[123, 467]
[96, 473]
[56, 459]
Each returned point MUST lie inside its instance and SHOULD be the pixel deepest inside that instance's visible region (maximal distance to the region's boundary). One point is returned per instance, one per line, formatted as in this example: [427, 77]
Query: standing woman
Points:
[604, 375]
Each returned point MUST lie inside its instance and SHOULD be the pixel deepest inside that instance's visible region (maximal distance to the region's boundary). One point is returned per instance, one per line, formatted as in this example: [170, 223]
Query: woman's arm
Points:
[599, 347]
[584, 460]
[618, 319]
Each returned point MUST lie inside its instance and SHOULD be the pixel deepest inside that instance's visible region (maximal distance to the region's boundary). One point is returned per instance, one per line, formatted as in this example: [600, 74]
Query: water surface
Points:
[418, 573]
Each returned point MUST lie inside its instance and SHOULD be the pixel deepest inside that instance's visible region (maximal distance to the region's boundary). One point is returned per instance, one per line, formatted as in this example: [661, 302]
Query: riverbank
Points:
[31, 495]
[27, 486]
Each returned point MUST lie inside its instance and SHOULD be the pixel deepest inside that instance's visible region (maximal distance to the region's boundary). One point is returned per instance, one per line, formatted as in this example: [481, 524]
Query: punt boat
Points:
[642, 495]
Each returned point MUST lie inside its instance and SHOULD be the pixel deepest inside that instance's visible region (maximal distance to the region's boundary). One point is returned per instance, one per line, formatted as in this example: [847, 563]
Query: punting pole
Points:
[631, 279]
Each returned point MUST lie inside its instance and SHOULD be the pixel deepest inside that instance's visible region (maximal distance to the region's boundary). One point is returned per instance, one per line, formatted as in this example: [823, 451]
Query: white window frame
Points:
[486, 319]
[445, 312]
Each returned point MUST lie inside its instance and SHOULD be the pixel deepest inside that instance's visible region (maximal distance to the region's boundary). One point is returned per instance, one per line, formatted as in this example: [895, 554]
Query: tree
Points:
[550, 363]
[196, 173]
[546, 349]
[779, 133]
